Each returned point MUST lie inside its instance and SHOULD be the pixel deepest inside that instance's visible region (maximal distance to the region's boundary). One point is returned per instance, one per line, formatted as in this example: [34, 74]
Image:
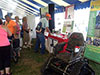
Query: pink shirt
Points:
[18, 28]
[3, 38]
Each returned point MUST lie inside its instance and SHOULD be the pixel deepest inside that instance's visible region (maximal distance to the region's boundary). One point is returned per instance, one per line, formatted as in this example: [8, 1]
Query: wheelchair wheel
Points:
[74, 69]
[80, 68]
[86, 70]
[45, 67]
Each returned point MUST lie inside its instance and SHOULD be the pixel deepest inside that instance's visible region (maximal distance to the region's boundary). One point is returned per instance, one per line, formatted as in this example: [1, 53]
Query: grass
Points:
[30, 63]
[95, 67]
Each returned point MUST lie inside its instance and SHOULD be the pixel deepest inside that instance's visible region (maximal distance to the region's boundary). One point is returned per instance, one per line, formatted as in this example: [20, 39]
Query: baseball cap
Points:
[48, 15]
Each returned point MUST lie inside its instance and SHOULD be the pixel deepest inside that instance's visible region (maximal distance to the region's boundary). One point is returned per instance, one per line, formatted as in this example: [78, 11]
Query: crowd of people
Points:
[13, 33]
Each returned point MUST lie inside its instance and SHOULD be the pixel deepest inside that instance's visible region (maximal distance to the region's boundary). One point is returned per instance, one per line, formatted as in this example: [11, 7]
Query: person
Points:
[4, 49]
[25, 33]
[41, 27]
[16, 41]
[11, 26]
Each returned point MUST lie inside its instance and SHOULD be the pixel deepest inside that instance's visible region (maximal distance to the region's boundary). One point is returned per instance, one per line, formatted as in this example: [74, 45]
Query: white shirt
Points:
[44, 22]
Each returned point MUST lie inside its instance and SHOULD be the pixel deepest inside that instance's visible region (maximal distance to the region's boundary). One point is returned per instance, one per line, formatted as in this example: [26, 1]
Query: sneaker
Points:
[20, 49]
[42, 53]
[9, 74]
[24, 46]
[28, 46]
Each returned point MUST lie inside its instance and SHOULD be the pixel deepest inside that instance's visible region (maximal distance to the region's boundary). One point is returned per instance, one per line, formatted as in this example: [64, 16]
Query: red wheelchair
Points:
[68, 59]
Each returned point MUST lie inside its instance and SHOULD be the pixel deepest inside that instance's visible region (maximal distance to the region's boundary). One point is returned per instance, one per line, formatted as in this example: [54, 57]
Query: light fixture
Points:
[83, 0]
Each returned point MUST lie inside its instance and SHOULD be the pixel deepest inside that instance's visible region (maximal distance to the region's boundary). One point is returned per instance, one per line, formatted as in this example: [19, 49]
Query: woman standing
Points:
[4, 49]
[26, 32]
[17, 36]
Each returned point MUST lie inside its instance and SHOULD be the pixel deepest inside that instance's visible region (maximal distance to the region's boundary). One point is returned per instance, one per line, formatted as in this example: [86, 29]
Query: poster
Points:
[59, 20]
[69, 19]
[93, 36]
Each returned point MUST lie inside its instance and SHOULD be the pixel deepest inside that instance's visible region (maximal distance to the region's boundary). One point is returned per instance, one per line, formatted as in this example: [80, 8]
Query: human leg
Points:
[24, 40]
[7, 60]
[1, 72]
[7, 70]
[1, 61]
[37, 44]
[42, 41]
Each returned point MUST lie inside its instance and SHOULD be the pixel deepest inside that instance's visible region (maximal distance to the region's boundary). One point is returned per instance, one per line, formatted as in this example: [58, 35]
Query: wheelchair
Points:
[66, 61]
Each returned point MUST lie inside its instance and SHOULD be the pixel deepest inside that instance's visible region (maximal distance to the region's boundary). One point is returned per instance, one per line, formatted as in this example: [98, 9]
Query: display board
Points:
[44, 10]
[93, 36]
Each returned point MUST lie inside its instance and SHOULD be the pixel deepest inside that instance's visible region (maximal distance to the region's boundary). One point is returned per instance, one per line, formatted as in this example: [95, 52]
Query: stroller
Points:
[67, 58]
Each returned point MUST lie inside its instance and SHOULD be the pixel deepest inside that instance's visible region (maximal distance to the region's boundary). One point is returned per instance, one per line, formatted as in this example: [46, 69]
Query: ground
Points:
[30, 63]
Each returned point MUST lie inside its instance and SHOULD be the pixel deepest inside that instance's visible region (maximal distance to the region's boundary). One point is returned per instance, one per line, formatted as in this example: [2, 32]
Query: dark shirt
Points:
[39, 27]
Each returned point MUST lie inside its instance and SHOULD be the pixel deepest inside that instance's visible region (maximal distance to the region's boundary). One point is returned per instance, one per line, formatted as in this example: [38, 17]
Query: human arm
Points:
[48, 30]
[15, 30]
[8, 31]
[47, 26]
[39, 31]
[39, 27]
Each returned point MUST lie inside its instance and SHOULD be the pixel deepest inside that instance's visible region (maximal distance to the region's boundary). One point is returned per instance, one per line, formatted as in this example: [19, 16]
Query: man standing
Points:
[11, 26]
[41, 27]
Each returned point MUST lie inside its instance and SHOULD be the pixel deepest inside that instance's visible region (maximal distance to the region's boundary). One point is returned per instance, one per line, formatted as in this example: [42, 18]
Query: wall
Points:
[32, 25]
[81, 18]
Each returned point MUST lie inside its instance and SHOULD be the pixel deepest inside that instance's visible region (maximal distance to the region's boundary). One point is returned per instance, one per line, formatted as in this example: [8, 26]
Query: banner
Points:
[93, 36]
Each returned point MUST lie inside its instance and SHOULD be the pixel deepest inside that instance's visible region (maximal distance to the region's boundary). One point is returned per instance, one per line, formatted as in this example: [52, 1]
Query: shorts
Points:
[11, 37]
[5, 57]
[16, 43]
[26, 37]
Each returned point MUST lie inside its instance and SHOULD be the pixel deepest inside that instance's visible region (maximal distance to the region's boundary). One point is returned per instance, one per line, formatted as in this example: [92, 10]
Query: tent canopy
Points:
[27, 7]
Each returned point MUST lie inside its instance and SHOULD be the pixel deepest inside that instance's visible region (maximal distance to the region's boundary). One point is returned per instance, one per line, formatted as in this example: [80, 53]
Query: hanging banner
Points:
[93, 36]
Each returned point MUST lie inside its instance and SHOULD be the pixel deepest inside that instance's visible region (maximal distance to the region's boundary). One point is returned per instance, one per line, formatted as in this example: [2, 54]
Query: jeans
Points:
[40, 40]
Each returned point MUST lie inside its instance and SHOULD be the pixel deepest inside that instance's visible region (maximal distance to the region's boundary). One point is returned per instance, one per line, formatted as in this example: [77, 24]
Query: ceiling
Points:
[28, 7]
